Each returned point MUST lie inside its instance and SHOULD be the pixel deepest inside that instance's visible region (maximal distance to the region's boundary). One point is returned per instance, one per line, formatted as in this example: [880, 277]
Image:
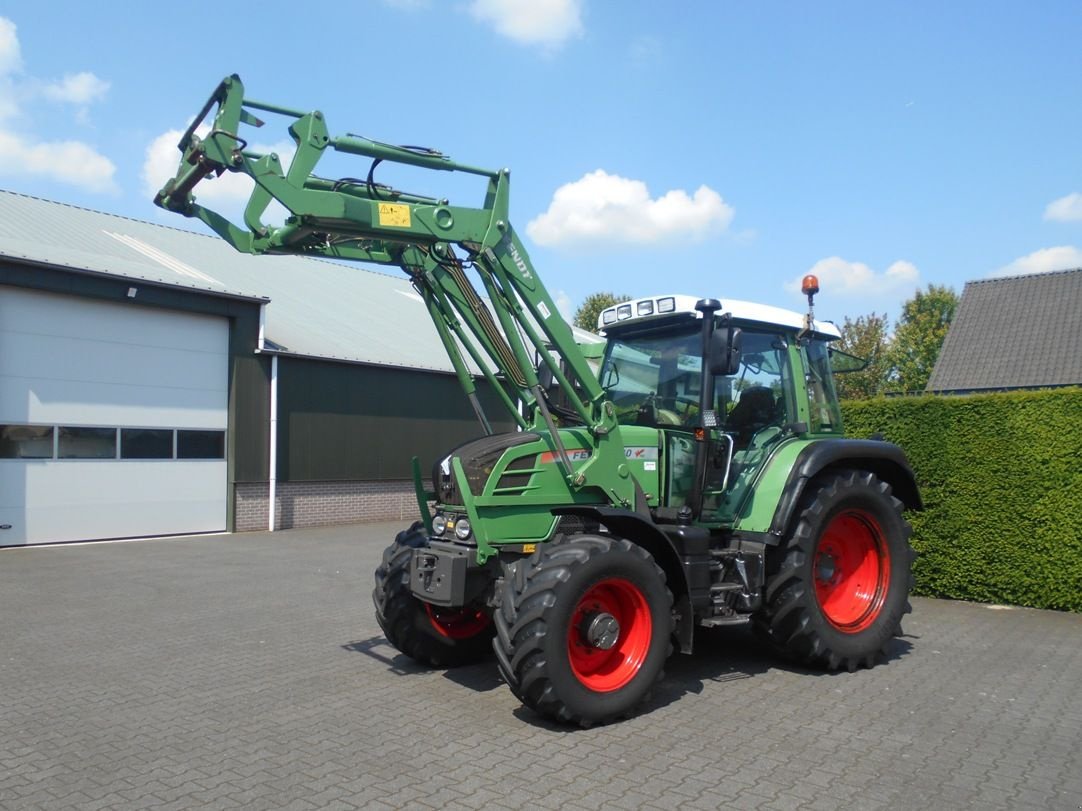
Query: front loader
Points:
[698, 479]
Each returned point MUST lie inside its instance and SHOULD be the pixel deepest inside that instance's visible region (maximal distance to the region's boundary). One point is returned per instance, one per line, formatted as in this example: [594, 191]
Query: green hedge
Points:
[1001, 479]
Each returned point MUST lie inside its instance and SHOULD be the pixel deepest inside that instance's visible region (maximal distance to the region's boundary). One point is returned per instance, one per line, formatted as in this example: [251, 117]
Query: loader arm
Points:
[434, 242]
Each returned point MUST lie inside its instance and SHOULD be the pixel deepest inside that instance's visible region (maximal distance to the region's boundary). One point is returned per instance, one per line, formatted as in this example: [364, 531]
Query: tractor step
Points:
[718, 622]
[721, 588]
[724, 553]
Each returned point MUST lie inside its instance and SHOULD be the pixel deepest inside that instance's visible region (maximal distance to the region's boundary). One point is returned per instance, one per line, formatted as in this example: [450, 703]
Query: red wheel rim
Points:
[604, 670]
[852, 571]
[457, 623]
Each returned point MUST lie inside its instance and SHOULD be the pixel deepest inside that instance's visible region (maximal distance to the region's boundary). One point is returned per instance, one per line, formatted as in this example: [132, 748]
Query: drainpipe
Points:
[273, 471]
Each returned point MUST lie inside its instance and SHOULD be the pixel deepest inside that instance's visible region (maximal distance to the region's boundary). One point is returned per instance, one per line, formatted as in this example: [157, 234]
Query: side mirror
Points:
[725, 349]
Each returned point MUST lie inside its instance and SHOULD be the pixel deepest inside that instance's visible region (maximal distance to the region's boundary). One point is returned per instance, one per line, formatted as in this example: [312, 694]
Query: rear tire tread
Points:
[791, 621]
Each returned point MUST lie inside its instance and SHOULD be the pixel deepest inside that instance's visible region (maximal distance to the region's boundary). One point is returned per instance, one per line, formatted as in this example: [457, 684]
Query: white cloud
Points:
[64, 161]
[845, 278]
[11, 60]
[1065, 209]
[601, 207]
[79, 88]
[26, 154]
[225, 193]
[549, 23]
[1062, 257]
[563, 304]
[10, 63]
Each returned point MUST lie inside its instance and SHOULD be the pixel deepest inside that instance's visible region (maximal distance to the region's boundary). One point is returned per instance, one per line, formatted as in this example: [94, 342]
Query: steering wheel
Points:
[684, 408]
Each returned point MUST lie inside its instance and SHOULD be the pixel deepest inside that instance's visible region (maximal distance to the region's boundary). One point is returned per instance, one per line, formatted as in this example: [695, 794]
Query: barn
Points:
[153, 381]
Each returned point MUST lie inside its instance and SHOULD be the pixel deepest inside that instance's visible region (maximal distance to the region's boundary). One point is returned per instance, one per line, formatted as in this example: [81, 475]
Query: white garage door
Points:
[112, 419]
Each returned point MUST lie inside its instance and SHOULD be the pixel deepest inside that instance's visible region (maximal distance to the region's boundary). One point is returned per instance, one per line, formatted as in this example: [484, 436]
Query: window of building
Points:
[86, 443]
[75, 442]
[146, 443]
[200, 444]
[26, 442]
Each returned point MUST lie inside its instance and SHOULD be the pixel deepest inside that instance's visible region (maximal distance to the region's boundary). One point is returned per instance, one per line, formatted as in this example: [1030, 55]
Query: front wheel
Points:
[429, 634]
[583, 628]
[838, 586]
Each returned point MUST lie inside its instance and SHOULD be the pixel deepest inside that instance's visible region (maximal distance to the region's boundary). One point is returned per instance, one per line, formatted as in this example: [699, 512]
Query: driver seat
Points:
[755, 410]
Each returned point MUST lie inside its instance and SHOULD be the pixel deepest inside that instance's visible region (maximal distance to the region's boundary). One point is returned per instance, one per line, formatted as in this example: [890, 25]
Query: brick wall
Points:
[311, 504]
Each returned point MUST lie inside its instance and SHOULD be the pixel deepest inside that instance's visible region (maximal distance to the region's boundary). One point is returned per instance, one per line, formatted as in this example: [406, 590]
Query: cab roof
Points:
[657, 309]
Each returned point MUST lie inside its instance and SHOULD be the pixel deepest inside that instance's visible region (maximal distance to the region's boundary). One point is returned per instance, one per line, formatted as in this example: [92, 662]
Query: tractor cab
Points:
[777, 386]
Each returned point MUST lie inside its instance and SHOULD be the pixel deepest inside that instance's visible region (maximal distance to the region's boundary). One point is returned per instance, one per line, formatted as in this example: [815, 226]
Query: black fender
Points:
[640, 529]
[885, 459]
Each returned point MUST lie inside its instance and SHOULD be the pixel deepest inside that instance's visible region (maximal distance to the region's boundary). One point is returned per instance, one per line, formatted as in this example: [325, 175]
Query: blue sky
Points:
[709, 148]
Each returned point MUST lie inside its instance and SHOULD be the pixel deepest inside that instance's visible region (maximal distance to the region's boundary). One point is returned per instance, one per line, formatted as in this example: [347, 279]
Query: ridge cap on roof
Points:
[1016, 276]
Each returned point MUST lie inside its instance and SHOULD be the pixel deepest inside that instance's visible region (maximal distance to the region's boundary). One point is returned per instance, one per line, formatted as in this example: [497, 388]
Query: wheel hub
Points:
[609, 635]
[825, 567]
[600, 630]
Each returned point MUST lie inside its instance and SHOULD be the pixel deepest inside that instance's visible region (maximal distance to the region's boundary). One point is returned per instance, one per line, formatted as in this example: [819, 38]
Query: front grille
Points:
[577, 525]
[520, 481]
[478, 458]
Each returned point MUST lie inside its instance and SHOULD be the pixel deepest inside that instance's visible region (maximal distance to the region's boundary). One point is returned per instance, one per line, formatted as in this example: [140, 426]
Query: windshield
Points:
[654, 379]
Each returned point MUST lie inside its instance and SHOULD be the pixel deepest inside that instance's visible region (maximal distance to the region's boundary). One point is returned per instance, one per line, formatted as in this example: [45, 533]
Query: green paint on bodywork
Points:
[756, 513]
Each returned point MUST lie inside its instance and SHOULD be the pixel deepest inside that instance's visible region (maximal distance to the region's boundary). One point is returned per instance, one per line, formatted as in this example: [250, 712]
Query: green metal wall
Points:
[349, 421]
[249, 415]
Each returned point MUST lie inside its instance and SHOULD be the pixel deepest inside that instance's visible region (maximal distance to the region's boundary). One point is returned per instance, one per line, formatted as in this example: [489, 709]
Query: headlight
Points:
[439, 524]
[462, 529]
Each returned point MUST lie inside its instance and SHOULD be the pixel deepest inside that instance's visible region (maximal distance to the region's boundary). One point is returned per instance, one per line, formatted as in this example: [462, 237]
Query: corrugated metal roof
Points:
[1014, 332]
[316, 308]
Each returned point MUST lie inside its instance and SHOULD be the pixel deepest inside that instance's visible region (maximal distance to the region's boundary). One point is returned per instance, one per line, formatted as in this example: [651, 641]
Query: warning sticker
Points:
[581, 454]
[574, 454]
[394, 215]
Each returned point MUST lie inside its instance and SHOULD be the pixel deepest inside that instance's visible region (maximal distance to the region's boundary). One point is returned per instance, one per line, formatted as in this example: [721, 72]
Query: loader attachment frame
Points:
[434, 242]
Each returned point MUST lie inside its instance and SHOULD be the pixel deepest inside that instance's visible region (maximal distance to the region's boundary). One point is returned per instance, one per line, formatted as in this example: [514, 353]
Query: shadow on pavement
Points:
[721, 655]
[378, 648]
[481, 677]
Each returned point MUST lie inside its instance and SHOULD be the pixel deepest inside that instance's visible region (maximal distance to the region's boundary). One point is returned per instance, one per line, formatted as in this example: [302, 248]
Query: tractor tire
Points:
[583, 628]
[838, 586]
[428, 634]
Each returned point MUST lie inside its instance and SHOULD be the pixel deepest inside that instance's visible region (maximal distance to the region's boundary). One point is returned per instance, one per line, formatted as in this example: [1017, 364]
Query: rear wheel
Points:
[583, 628]
[837, 588]
[429, 634]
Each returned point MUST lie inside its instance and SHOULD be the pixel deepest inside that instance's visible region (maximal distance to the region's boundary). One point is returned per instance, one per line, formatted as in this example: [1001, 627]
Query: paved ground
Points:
[247, 671]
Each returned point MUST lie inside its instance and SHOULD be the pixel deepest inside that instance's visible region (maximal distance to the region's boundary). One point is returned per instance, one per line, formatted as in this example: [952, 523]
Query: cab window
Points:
[826, 416]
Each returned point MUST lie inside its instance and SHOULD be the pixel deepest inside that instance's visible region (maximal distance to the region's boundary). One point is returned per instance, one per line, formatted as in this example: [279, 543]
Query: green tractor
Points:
[694, 475]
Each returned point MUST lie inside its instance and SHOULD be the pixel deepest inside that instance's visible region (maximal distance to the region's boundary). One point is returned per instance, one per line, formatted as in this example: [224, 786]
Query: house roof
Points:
[1014, 332]
[314, 308]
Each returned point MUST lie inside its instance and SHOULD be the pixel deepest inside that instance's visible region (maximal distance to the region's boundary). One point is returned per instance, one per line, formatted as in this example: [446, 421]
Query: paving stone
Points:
[248, 671]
